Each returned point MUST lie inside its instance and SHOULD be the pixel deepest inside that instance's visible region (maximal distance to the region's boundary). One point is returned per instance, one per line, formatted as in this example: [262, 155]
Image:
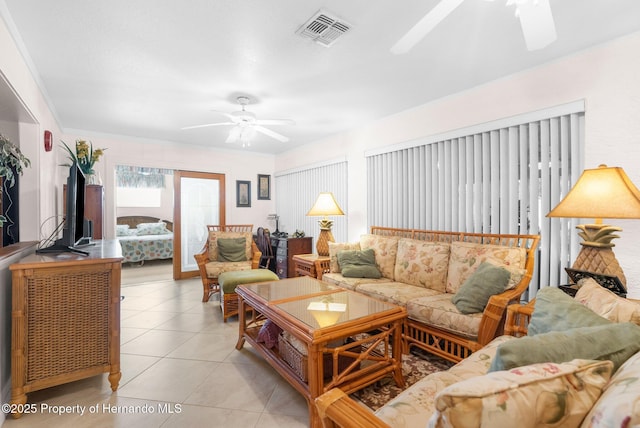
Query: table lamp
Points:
[603, 192]
[325, 205]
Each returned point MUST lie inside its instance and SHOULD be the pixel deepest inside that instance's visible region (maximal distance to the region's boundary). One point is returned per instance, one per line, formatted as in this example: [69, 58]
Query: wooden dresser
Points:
[66, 319]
[286, 249]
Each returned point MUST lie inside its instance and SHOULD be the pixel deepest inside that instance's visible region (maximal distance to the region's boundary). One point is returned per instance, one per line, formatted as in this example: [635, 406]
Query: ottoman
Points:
[228, 281]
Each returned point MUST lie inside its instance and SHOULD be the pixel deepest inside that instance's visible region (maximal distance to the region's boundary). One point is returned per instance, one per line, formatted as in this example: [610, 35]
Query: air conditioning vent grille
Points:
[323, 28]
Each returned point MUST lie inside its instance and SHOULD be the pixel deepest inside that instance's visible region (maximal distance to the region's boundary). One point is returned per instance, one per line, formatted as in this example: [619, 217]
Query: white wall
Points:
[234, 164]
[604, 76]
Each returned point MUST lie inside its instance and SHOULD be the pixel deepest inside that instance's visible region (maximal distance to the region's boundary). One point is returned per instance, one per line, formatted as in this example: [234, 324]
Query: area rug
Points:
[415, 366]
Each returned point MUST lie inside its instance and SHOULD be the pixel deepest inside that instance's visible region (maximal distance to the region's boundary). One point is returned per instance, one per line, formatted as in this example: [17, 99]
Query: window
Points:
[500, 177]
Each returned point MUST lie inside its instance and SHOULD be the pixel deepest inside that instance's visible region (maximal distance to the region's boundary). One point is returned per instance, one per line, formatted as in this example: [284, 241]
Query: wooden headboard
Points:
[134, 220]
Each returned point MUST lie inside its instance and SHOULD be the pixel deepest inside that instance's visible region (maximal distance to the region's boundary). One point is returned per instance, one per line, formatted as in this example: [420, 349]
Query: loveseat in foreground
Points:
[423, 270]
[577, 366]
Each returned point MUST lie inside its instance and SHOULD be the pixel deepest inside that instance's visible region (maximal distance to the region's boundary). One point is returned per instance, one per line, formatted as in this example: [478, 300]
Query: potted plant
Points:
[85, 156]
[12, 162]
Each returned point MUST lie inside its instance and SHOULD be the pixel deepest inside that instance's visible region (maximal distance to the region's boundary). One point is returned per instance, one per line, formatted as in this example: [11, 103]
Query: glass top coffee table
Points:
[330, 337]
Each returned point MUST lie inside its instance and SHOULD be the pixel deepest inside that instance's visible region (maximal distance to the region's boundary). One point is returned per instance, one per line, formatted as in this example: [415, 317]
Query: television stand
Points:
[77, 336]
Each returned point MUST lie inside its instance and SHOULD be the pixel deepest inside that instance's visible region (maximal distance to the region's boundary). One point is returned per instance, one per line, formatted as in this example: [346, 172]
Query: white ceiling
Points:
[147, 68]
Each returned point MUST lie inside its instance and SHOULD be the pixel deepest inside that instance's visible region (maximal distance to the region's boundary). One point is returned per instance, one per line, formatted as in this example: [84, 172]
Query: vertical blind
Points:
[502, 180]
[297, 192]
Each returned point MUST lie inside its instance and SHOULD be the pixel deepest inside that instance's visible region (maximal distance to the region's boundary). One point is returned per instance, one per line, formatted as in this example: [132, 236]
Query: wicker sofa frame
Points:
[443, 343]
[210, 285]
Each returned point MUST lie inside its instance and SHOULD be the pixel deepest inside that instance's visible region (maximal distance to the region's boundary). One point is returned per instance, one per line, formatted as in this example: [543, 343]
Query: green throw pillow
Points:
[475, 292]
[232, 250]
[616, 342]
[556, 311]
[358, 264]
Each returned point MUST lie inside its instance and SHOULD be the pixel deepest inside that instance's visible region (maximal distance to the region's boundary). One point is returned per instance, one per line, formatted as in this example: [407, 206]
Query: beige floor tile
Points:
[158, 343]
[287, 401]
[132, 365]
[147, 319]
[169, 380]
[189, 322]
[129, 333]
[205, 346]
[199, 416]
[252, 387]
[268, 420]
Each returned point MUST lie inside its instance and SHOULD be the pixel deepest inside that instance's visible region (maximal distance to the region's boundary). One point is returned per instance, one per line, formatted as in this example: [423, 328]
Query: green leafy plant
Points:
[84, 155]
[12, 162]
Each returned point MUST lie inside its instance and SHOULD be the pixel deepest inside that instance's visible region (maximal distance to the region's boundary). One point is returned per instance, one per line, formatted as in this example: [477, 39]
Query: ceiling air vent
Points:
[324, 28]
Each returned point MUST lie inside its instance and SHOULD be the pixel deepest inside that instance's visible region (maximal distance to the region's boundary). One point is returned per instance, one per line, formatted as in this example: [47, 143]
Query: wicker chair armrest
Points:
[518, 317]
[202, 258]
[494, 316]
[336, 409]
[256, 255]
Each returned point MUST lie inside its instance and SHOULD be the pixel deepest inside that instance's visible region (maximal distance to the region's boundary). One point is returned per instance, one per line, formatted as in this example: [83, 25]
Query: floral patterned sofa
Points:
[559, 385]
[424, 271]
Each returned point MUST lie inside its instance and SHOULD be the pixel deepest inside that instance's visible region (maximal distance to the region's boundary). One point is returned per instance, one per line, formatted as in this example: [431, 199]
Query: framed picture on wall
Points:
[264, 186]
[243, 193]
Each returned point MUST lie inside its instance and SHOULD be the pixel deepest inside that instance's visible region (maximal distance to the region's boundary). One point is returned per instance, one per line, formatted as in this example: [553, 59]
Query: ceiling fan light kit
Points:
[246, 125]
[535, 16]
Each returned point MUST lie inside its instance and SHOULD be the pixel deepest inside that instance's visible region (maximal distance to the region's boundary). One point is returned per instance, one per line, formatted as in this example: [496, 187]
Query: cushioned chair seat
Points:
[397, 293]
[228, 281]
[350, 283]
[440, 312]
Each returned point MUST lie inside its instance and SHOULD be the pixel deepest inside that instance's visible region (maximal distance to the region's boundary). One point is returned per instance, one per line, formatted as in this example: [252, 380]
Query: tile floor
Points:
[180, 368]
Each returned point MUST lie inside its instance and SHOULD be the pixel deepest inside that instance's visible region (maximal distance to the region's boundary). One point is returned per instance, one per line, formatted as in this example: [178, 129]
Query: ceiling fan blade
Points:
[208, 124]
[275, 122]
[225, 114]
[425, 25]
[270, 133]
[537, 23]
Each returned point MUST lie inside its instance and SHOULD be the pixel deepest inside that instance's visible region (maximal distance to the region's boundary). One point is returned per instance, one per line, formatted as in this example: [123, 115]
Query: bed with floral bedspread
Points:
[144, 238]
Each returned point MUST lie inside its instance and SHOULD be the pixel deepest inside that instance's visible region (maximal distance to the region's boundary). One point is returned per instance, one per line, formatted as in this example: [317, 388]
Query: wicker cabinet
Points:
[286, 249]
[66, 319]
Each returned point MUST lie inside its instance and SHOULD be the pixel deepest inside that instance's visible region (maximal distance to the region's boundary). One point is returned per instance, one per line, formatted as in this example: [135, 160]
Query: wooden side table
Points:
[307, 265]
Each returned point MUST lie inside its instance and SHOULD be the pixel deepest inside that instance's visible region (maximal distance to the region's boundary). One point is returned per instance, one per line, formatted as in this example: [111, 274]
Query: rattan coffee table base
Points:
[371, 357]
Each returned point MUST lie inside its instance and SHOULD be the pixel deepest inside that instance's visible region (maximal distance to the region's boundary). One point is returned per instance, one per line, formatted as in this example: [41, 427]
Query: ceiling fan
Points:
[245, 124]
[535, 18]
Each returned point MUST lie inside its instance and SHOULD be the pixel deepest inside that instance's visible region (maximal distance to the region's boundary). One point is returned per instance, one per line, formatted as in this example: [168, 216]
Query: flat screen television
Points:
[74, 234]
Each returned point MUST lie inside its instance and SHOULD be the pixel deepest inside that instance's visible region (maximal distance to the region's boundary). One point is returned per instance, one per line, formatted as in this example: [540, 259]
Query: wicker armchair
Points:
[207, 259]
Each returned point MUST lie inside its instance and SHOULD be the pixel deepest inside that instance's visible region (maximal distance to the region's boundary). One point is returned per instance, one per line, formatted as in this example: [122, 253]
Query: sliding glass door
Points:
[199, 201]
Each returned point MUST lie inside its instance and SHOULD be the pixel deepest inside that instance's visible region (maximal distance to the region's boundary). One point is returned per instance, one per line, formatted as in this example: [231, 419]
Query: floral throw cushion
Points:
[335, 248]
[385, 248]
[466, 257]
[619, 405]
[422, 263]
[538, 395]
[606, 303]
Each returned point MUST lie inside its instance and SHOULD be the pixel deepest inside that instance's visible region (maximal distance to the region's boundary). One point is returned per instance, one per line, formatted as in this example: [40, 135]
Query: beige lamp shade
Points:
[325, 205]
[604, 192]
